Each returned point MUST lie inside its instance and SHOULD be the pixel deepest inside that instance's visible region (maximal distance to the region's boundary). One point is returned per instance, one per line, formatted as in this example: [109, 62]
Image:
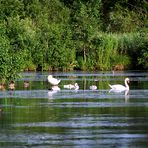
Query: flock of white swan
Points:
[114, 88]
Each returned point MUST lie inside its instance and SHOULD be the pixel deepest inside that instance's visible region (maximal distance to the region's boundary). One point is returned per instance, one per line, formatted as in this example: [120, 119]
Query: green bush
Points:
[11, 62]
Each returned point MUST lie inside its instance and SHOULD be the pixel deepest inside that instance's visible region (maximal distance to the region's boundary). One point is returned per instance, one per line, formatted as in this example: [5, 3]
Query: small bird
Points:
[26, 84]
[93, 87]
[2, 86]
[12, 85]
[53, 81]
[119, 87]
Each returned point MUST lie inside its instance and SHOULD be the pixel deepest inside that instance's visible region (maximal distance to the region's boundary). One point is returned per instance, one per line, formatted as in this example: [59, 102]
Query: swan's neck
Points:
[126, 85]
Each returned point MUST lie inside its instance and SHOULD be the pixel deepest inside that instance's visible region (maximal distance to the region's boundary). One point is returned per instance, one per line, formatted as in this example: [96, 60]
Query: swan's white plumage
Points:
[93, 87]
[71, 86]
[53, 81]
[119, 87]
[76, 86]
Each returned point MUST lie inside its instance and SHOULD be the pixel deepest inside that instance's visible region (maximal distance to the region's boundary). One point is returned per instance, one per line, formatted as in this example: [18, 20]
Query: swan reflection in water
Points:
[52, 91]
[125, 92]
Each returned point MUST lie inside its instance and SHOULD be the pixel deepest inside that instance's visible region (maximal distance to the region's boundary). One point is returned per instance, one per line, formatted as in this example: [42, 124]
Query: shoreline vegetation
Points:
[60, 35]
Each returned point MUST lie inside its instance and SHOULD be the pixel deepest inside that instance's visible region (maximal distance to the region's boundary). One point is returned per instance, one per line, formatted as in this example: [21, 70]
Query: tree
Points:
[86, 22]
[11, 62]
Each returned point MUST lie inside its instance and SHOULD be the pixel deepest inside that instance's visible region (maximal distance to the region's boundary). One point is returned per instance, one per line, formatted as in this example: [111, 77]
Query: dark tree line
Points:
[72, 34]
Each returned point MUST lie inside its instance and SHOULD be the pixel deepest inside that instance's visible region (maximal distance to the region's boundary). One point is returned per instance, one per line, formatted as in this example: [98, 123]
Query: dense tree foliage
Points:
[73, 34]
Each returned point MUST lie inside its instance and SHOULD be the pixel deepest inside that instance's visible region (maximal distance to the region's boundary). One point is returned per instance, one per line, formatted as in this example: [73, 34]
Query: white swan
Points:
[76, 86]
[53, 81]
[119, 87]
[70, 86]
[93, 87]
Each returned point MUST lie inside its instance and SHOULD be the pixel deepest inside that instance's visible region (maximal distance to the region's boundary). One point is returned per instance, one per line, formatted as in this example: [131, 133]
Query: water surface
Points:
[39, 117]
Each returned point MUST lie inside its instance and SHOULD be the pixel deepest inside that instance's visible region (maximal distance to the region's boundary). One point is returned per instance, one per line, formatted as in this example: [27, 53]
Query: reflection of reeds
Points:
[103, 83]
[100, 82]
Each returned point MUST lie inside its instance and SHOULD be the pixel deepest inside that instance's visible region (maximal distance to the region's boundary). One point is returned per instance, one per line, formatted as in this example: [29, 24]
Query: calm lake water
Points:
[39, 117]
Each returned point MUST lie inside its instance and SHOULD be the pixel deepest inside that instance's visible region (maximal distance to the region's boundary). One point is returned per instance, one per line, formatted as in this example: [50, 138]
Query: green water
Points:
[39, 117]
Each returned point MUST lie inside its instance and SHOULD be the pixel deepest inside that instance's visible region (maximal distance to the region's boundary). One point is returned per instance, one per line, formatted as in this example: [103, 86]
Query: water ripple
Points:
[71, 94]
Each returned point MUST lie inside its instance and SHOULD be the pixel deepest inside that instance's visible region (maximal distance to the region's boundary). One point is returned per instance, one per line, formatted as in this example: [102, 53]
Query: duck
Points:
[11, 85]
[71, 86]
[53, 81]
[2, 86]
[93, 87]
[119, 87]
[26, 84]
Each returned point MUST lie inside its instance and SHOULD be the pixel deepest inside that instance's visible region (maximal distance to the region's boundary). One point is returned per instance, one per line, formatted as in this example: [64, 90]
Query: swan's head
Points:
[50, 76]
[127, 80]
[76, 84]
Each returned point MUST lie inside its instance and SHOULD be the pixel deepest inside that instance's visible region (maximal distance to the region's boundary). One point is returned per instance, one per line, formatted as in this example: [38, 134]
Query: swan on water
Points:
[71, 86]
[119, 87]
[53, 81]
[76, 86]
